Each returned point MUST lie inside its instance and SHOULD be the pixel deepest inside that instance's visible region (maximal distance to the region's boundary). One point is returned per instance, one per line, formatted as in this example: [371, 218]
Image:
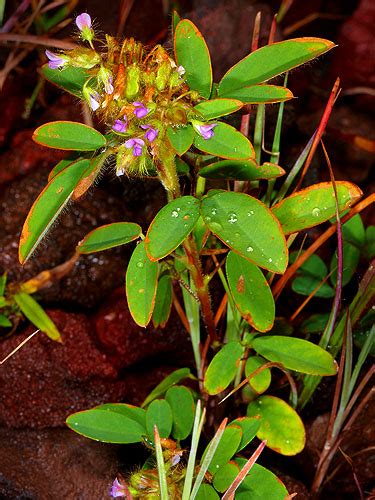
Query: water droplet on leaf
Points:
[232, 218]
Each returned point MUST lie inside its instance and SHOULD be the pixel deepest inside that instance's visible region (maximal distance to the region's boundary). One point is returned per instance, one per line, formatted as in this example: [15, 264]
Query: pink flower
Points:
[55, 61]
[141, 111]
[206, 131]
[83, 21]
[118, 490]
[136, 145]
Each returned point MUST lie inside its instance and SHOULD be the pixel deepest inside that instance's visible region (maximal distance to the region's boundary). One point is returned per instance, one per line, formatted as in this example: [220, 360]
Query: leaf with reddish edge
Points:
[239, 220]
[280, 425]
[313, 205]
[141, 284]
[223, 368]
[109, 236]
[272, 60]
[191, 52]
[245, 170]
[48, 206]
[90, 175]
[227, 142]
[260, 94]
[251, 292]
[214, 108]
[163, 301]
[171, 225]
[70, 136]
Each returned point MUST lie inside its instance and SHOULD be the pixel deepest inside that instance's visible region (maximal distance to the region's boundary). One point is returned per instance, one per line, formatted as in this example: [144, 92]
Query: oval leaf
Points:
[241, 170]
[109, 236]
[249, 427]
[251, 292]
[227, 447]
[260, 94]
[159, 413]
[163, 301]
[141, 282]
[170, 380]
[280, 425]
[129, 411]
[206, 492]
[192, 53]
[69, 136]
[182, 404]
[106, 426]
[172, 224]
[217, 107]
[69, 79]
[48, 206]
[239, 221]
[272, 60]
[181, 138]
[296, 354]
[260, 382]
[223, 368]
[226, 143]
[36, 314]
[314, 205]
[225, 476]
[260, 484]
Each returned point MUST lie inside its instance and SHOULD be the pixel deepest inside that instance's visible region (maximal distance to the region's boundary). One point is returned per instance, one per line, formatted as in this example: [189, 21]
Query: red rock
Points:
[126, 343]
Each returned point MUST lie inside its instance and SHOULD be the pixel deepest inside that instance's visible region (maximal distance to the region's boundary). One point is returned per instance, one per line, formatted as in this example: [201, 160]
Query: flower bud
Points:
[132, 82]
[162, 76]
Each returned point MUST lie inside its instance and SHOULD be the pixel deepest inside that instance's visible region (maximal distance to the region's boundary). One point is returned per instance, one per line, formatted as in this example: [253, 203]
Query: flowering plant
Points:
[164, 117]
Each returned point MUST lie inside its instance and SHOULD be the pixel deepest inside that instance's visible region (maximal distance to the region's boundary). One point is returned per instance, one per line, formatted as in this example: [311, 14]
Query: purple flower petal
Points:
[137, 150]
[120, 125]
[108, 87]
[206, 131]
[129, 143]
[117, 489]
[83, 21]
[141, 110]
[55, 61]
[94, 101]
[151, 133]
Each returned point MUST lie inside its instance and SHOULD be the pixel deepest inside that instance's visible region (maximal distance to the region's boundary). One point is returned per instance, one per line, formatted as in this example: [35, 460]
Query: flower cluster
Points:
[137, 94]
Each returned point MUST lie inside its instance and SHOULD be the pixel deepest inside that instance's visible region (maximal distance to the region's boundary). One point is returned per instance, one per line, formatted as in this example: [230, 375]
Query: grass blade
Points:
[207, 460]
[161, 466]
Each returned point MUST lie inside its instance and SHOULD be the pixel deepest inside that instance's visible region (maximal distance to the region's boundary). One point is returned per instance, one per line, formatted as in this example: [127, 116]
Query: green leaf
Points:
[206, 492]
[181, 401]
[159, 413]
[227, 447]
[4, 321]
[270, 61]
[369, 249]
[69, 136]
[217, 107]
[109, 236]
[225, 476]
[163, 301]
[315, 323]
[192, 53]
[260, 94]
[3, 282]
[129, 411]
[141, 284]
[90, 175]
[223, 368]
[62, 165]
[36, 314]
[249, 427]
[172, 379]
[354, 231]
[280, 425]
[296, 354]
[260, 484]
[180, 138]
[251, 292]
[226, 143]
[69, 79]
[48, 206]
[310, 275]
[241, 170]
[351, 257]
[106, 426]
[239, 221]
[171, 225]
[314, 205]
[260, 382]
